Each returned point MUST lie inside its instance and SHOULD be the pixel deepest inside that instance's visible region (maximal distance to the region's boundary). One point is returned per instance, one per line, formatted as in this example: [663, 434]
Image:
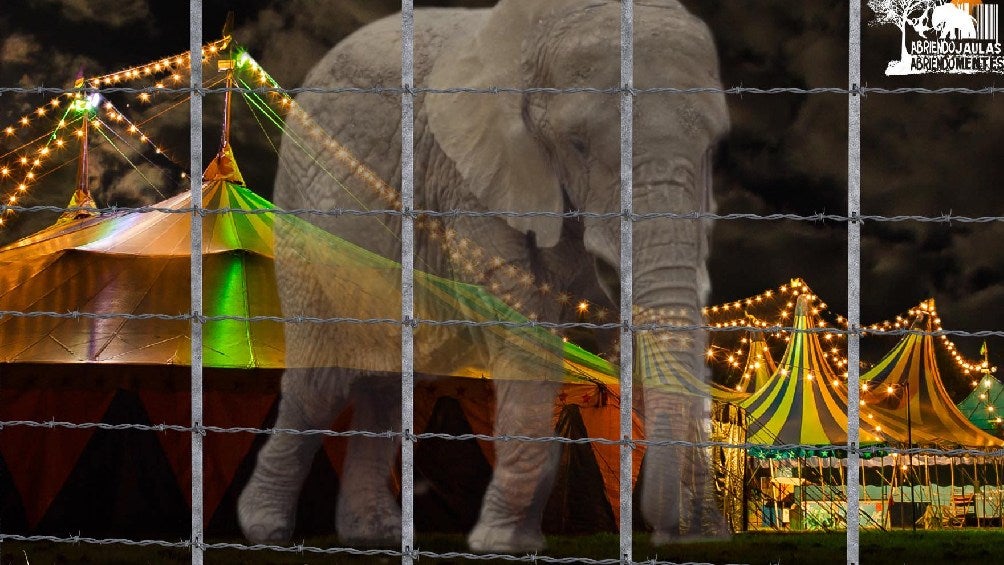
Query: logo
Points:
[941, 36]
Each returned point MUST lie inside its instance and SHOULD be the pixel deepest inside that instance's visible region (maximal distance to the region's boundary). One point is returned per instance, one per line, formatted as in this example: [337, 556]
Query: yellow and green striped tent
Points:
[910, 373]
[804, 403]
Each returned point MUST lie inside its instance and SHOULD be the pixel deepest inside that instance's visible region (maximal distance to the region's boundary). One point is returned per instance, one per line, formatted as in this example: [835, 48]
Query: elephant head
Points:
[549, 152]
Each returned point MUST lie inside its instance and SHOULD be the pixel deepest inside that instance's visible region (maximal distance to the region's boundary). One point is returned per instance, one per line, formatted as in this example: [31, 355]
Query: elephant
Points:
[952, 22]
[530, 151]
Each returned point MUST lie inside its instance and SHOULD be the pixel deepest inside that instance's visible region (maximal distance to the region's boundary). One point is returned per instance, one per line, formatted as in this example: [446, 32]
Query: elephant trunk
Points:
[677, 489]
[670, 283]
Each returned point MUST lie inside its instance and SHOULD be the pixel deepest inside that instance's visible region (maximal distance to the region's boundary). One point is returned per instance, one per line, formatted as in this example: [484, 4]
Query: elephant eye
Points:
[580, 146]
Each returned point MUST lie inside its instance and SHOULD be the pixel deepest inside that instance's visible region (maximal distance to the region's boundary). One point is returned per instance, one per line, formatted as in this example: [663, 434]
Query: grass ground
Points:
[958, 547]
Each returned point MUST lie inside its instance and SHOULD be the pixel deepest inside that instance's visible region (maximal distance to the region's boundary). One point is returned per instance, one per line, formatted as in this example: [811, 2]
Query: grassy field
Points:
[898, 547]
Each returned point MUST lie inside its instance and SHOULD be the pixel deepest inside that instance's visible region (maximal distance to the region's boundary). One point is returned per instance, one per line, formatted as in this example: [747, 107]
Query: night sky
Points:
[922, 154]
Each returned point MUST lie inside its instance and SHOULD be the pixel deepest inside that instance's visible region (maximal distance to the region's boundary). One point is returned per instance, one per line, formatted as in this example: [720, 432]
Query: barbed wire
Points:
[302, 548]
[420, 90]
[815, 217]
[417, 322]
[804, 449]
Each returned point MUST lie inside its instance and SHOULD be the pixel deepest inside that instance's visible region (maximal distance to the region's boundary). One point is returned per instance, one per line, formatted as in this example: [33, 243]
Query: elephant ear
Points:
[485, 134]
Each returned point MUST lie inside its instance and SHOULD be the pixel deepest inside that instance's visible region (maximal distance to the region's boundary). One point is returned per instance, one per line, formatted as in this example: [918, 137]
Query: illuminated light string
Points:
[32, 160]
[177, 64]
[472, 259]
[172, 64]
[469, 258]
[928, 308]
[738, 312]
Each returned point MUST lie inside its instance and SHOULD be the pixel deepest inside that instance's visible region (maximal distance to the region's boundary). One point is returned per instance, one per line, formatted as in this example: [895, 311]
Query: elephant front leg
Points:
[677, 496]
[266, 508]
[368, 512]
[513, 505]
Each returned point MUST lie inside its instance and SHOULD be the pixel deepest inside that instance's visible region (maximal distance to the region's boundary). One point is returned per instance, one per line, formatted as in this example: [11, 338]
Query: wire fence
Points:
[627, 443]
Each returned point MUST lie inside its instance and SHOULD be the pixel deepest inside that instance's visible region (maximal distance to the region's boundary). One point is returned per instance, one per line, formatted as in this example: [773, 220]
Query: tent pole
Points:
[823, 487]
[887, 510]
[977, 485]
[864, 489]
[951, 469]
[843, 492]
[927, 480]
[997, 491]
[801, 490]
[776, 520]
[746, 490]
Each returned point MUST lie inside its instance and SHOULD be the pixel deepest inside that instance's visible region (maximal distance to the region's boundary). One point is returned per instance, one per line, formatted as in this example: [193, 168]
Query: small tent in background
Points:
[760, 365]
[985, 404]
[102, 366]
[909, 374]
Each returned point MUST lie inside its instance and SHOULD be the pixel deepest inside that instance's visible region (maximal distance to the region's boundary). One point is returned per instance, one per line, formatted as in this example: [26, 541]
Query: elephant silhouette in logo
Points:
[952, 22]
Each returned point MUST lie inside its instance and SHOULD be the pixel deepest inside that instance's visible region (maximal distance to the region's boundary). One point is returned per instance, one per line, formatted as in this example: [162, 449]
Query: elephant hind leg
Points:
[368, 512]
[266, 508]
[524, 474]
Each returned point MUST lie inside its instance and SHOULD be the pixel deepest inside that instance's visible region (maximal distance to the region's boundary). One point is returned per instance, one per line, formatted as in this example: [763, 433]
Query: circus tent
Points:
[760, 365]
[804, 402]
[985, 404]
[102, 367]
[910, 372]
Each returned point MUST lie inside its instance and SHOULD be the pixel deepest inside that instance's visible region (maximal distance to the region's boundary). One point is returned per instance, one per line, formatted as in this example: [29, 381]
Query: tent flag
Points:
[802, 402]
[911, 367]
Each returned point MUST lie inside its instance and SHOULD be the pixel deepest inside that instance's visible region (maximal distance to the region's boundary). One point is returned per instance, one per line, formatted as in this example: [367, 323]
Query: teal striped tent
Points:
[985, 404]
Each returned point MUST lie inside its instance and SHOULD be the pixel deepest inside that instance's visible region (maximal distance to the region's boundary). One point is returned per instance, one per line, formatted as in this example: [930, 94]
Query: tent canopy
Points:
[80, 368]
[138, 264]
[985, 404]
[909, 374]
[803, 402]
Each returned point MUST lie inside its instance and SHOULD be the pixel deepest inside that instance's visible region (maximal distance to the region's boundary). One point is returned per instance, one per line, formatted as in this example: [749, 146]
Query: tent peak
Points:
[223, 167]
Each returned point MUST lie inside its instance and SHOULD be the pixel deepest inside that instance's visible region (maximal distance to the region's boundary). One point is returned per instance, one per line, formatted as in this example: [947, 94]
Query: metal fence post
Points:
[195, 136]
[853, 282]
[407, 281]
[627, 280]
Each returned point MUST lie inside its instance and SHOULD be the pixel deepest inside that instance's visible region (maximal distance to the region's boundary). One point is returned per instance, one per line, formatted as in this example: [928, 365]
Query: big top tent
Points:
[128, 273]
[910, 371]
[804, 402]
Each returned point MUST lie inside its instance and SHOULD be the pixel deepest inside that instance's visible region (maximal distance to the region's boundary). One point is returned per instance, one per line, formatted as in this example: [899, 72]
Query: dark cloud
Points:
[19, 49]
[113, 13]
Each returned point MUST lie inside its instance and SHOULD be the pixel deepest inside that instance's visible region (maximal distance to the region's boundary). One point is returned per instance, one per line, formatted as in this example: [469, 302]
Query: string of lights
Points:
[32, 153]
